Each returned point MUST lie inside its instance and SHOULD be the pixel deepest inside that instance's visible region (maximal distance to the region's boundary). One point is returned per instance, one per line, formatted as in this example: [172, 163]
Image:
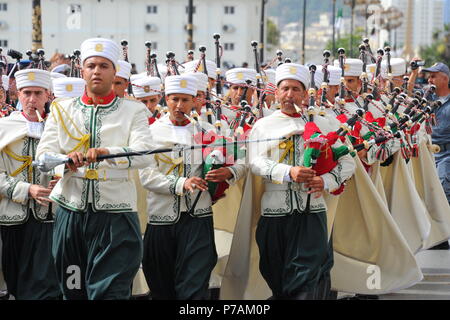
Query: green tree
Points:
[273, 34]
[439, 50]
[344, 42]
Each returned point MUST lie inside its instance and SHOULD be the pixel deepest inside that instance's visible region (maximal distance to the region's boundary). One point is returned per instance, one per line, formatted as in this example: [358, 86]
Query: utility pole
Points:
[261, 32]
[36, 22]
[304, 32]
[334, 27]
[353, 3]
[190, 26]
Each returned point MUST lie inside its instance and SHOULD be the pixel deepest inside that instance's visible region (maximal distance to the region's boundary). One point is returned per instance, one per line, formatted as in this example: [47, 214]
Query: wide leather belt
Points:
[102, 174]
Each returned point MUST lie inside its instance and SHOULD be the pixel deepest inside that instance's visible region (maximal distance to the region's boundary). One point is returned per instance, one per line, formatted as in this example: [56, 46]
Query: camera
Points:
[416, 64]
[15, 54]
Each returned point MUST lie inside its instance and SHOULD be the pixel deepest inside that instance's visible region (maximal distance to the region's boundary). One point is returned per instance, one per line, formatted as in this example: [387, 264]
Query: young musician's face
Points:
[32, 99]
[99, 74]
[332, 91]
[290, 92]
[180, 104]
[236, 92]
[200, 101]
[354, 84]
[150, 102]
[119, 86]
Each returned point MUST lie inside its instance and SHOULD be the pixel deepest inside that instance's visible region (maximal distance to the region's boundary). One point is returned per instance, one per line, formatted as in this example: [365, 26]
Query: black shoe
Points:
[442, 246]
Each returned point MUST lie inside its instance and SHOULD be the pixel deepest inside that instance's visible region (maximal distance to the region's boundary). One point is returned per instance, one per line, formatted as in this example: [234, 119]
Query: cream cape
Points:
[430, 190]
[365, 235]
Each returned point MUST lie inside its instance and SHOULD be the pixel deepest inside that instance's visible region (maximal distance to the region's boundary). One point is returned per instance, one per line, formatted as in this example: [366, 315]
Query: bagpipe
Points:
[124, 44]
[218, 156]
[320, 154]
[151, 67]
[75, 64]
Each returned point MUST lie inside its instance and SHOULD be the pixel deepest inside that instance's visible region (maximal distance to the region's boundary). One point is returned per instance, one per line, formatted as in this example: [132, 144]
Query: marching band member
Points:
[200, 103]
[97, 228]
[25, 216]
[197, 66]
[148, 91]
[179, 248]
[122, 79]
[237, 78]
[292, 238]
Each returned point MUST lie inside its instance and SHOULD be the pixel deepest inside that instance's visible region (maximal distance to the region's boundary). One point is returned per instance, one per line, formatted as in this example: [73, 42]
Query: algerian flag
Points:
[338, 23]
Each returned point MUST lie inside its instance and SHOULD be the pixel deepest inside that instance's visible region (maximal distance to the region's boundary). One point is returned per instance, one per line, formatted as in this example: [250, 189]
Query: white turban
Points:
[146, 87]
[334, 76]
[202, 80]
[240, 75]
[186, 84]
[33, 78]
[352, 67]
[100, 47]
[269, 76]
[68, 87]
[211, 67]
[292, 71]
[56, 75]
[123, 69]
[398, 66]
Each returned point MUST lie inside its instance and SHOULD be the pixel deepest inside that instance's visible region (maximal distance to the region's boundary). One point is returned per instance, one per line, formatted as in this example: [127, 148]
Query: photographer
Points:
[439, 76]
[413, 77]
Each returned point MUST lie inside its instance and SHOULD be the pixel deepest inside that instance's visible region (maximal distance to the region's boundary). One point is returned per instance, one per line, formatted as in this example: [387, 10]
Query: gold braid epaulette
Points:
[174, 162]
[27, 161]
[288, 145]
[83, 140]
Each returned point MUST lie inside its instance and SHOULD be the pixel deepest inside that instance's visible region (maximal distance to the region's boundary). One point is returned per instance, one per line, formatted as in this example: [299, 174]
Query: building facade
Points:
[428, 17]
[66, 23]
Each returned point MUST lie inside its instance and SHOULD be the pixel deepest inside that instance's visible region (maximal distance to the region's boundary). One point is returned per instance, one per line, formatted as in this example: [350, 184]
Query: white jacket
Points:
[273, 161]
[167, 173]
[18, 146]
[120, 126]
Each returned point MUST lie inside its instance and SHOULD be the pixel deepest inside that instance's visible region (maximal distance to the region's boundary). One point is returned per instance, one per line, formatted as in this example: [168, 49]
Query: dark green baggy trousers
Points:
[179, 258]
[27, 261]
[97, 254]
[293, 250]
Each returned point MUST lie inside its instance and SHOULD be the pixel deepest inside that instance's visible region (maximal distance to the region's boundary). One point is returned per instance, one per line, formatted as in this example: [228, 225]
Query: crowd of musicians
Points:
[113, 183]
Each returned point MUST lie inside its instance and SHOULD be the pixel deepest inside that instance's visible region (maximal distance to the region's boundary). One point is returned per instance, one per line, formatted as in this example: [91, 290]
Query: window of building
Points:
[229, 46]
[3, 6]
[187, 9]
[152, 9]
[229, 9]
[3, 43]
